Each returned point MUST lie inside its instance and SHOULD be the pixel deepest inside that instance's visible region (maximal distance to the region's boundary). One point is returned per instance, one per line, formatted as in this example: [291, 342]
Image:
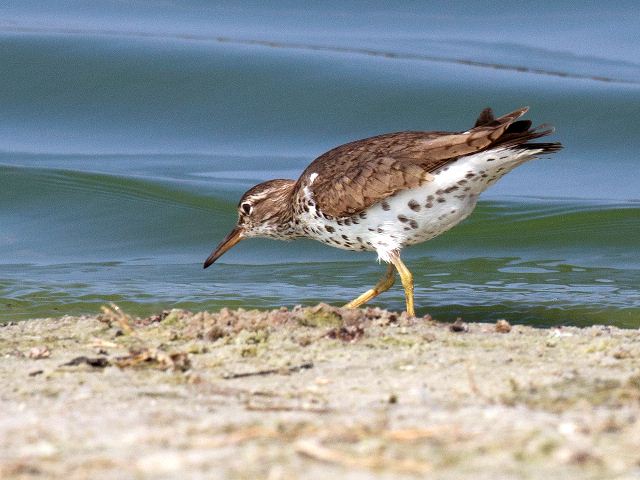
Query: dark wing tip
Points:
[545, 147]
[486, 117]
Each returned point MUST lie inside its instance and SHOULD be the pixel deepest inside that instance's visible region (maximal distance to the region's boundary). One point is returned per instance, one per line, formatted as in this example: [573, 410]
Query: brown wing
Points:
[356, 175]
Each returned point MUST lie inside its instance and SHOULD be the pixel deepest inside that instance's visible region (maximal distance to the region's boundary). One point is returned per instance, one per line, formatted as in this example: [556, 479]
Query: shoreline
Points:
[321, 390]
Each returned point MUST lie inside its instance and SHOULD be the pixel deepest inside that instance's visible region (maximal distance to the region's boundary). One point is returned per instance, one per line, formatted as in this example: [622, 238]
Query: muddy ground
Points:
[315, 393]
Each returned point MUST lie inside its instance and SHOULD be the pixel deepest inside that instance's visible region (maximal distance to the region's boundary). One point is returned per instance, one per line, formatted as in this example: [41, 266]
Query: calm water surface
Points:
[129, 132]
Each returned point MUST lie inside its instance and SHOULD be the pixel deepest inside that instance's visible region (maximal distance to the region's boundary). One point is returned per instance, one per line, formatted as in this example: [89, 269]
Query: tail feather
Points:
[546, 147]
[518, 133]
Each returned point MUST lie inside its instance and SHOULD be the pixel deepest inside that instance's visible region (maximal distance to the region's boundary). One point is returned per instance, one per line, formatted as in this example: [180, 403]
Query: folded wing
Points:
[350, 178]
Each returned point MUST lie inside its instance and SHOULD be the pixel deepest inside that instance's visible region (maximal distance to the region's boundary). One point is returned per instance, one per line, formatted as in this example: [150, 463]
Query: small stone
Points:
[349, 334]
[216, 332]
[621, 353]
[502, 326]
[428, 337]
[459, 326]
[41, 351]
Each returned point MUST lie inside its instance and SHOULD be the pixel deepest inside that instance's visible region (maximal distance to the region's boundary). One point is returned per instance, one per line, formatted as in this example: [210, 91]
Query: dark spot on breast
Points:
[359, 239]
[347, 221]
[403, 219]
[362, 215]
[439, 191]
[491, 159]
[429, 205]
[441, 200]
[329, 229]
[306, 208]
[462, 182]
[430, 198]
[470, 175]
[345, 237]
[380, 230]
[407, 228]
[484, 175]
[452, 188]
[371, 229]
[339, 222]
[385, 206]
[413, 224]
[413, 205]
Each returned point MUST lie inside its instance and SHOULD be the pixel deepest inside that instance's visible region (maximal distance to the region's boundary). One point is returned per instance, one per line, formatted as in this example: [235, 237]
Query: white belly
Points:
[419, 214]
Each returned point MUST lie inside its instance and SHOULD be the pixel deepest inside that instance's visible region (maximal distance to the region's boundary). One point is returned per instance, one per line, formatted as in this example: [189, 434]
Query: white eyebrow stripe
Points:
[255, 198]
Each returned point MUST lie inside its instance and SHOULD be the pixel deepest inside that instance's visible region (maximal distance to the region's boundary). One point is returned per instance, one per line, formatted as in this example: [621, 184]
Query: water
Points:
[129, 133]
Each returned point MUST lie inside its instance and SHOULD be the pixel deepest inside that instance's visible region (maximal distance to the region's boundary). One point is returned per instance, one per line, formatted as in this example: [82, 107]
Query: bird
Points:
[389, 191]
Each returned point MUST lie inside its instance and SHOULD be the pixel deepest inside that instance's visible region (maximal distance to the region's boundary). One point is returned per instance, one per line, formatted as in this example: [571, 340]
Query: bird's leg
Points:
[407, 282]
[383, 285]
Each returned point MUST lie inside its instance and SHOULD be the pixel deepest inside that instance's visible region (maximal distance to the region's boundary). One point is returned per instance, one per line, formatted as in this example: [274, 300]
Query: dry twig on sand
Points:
[314, 449]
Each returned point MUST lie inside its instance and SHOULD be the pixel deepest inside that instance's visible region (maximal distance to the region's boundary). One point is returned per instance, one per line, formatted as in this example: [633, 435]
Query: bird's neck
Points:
[285, 227]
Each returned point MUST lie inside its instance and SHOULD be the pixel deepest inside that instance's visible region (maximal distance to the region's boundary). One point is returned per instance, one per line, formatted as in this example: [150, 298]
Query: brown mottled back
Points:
[354, 176]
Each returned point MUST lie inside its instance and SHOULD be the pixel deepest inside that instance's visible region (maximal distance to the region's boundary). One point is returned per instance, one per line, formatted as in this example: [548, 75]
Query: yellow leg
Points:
[407, 282]
[383, 285]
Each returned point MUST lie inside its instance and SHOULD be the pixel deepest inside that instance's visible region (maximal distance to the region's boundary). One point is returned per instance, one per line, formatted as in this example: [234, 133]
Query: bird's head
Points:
[263, 211]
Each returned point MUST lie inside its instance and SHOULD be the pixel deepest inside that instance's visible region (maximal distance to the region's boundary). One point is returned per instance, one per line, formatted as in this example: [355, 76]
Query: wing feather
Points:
[354, 176]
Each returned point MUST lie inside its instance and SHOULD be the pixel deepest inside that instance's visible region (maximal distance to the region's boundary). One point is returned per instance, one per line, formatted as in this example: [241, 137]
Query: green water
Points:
[130, 132]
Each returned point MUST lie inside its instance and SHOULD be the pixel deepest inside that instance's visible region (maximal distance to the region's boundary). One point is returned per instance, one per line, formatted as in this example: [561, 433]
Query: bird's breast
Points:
[413, 215]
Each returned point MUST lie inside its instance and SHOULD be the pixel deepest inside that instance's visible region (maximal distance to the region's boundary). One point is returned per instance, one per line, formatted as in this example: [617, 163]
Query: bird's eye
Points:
[246, 207]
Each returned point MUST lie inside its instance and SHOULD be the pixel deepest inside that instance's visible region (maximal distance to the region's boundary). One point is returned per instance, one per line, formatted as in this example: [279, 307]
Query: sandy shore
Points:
[315, 393]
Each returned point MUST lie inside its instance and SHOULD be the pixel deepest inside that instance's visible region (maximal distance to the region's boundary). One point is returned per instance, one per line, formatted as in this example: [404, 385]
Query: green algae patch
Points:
[321, 316]
[568, 393]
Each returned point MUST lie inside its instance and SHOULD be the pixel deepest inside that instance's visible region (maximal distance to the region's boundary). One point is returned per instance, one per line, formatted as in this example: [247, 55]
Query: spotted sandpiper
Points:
[386, 192]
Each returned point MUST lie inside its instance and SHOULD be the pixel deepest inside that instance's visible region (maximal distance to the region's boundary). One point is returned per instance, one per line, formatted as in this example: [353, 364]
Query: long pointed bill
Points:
[229, 241]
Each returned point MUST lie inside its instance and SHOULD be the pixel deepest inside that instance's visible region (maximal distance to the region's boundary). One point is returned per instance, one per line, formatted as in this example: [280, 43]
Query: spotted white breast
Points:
[414, 215]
